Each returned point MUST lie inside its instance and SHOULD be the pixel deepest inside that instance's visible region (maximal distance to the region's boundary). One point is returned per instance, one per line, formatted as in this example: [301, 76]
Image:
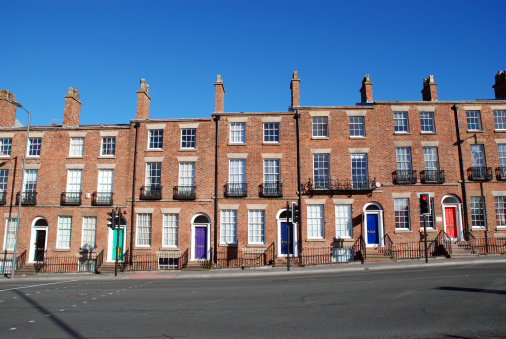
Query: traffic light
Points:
[295, 213]
[111, 220]
[425, 208]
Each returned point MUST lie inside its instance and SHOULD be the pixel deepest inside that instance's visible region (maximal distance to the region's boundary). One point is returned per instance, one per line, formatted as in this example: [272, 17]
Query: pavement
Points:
[263, 271]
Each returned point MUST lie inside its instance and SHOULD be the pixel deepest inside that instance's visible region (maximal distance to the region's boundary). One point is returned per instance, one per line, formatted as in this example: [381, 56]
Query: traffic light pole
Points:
[117, 228]
[425, 236]
[288, 236]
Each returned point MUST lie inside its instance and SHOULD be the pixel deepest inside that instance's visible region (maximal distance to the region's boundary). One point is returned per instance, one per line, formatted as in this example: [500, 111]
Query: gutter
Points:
[299, 193]
[132, 214]
[462, 173]
[216, 147]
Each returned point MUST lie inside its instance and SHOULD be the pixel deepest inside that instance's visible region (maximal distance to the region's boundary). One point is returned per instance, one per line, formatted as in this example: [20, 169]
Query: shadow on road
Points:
[467, 289]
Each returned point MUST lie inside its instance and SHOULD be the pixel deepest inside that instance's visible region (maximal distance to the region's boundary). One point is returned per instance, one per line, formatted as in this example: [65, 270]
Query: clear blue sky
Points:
[105, 47]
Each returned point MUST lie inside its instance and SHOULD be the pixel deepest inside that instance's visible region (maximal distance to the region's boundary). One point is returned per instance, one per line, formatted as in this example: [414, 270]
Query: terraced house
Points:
[215, 191]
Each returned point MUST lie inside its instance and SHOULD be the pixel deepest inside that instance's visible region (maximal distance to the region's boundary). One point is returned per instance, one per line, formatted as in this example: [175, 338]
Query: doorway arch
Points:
[200, 237]
[452, 216]
[373, 230]
[38, 240]
[286, 232]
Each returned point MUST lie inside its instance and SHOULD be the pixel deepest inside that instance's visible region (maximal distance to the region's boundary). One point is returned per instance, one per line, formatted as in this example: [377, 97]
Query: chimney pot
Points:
[219, 95]
[366, 90]
[72, 110]
[500, 85]
[429, 91]
[143, 100]
[7, 109]
[295, 90]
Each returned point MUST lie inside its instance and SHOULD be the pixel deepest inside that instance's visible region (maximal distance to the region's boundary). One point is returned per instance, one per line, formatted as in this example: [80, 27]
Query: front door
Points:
[117, 247]
[200, 243]
[451, 222]
[372, 229]
[286, 233]
[40, 245]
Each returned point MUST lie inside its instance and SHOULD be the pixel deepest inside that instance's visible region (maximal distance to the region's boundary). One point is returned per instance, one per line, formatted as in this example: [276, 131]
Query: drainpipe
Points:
[216, 146]
[299, 226]
[462, 173]
[132, 214]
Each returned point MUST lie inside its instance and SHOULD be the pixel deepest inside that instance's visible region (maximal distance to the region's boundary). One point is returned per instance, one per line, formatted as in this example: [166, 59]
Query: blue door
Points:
[200, 243]
[372, 229]
[285, 232]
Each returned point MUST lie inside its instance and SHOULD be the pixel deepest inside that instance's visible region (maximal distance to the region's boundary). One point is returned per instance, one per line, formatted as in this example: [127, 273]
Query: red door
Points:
[451, 222]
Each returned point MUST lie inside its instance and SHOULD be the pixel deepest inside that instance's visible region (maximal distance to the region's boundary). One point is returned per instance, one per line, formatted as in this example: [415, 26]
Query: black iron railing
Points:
[151, 193]
[236, 190]
[432, 177]
[500, 173]
[271, 189]
[101, 199]
[359, 249]
[3, 196]
[404, 177]
[185, 192]
[70, 198]
[479, 173]
[336, 186]
[27, 198]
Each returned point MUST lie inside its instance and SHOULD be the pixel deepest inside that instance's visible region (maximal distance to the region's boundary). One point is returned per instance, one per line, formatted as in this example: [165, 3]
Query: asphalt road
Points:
[430, 302]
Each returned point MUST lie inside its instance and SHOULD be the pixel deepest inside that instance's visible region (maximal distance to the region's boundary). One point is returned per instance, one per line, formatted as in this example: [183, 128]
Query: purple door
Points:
[200, 242]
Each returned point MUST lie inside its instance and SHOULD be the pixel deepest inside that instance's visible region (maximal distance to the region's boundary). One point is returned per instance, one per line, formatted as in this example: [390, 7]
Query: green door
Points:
[117, 247]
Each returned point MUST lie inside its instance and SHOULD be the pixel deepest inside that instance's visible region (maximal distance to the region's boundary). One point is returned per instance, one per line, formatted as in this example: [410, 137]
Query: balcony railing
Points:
[185, 192]
[70, 198]
[3, 196]
[151, 193]
[479, 173]
[27, 198]
[271, 189]
[338, 186]
[236, 190]
[500, 173]
[432, 177]
[101, 199]
[404, 177]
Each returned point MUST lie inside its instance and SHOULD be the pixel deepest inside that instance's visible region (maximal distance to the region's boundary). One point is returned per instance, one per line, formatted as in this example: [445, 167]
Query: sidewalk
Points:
[263, 271]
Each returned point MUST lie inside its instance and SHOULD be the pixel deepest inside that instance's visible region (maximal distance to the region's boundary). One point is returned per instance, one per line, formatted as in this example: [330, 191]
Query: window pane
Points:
[359, 173]
[89, 232]
[170, 230]
[320, 127]
[105, 181]
[403, 155]
[271, 132]
[401, 210]
[144, 229]
[237, 132]
[228, 226]
[430, 158]
[477, 212]
[237, 171]
[477, 156]
[315, 223]
[153, 174]
[74, 180]
[256, 220]
[473, 120]
[4, 175]
[500, 211]
[357, 126]
[64, 231]
[5, 146]
[30, 180]
[76, 147]
[186, 174]
[155, 138]
[188, 138]
[427, 121]
[401, 122]
[34, 146]
[343, 221]
[271, 171]
[501, 149]
[500, 119]
[109, 146]
[10, 231]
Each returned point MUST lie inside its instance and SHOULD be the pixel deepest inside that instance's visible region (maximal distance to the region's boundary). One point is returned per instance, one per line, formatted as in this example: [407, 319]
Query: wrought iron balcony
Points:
[3, 196]
[500, 173]
[101, 199]
[236, 190]
[151, 193]
[271, 189]
[27, 198]
[338, 186]
[404, 177]
[70, 198]
[479, 173]
[185, 192]
[432, 177]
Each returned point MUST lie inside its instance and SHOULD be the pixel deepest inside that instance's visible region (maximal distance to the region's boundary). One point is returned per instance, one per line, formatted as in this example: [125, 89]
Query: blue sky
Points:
[105, 47]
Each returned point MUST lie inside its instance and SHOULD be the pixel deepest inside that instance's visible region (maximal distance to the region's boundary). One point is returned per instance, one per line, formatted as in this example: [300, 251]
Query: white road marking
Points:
[22, 287]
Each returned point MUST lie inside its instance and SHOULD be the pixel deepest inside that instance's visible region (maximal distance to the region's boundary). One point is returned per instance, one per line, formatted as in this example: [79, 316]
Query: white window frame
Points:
[321, 171]
[89, 236]
[237, 133]
[108, 148]
[357, 127]
[359, 170]
[315, 222]
[30, 180]
[401, 122]
[478, 155]
[155, 139]
[74, 180]
[5, 147]
[271, 132]
[228, 227]
[431, 158]
[64, 233]
[401, 211]
[403, 158]
[34, 147]
[500, 211]
[478, 219]
[143, 230]
[427, 123]
[256, 227]
[320, 127]
[500, 120]
[344, 225]
[10, 234]
[473, 120]
[188, 138]
[272, 171]
[170, 230]
[4, 177]
[186, 174]
[76, 148]
[153, 174]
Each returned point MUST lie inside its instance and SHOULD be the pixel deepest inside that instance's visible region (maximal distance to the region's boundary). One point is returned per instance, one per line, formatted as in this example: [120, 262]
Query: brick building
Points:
[216, 189]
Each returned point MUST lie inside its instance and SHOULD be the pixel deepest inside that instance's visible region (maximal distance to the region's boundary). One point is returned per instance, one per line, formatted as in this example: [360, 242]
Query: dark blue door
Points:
[372, 229]
[284, 238]
[200, 242]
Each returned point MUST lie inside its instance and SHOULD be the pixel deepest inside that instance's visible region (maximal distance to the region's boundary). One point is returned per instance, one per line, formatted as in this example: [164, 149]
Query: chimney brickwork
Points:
[143, 100]
[366, 90]
[500, 85]
[7, 109]
[72, 111]
[295, 89]
[429, 91]
[219, 95]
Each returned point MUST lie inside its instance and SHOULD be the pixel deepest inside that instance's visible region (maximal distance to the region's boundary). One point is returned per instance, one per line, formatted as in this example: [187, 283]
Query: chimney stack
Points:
[72, 110]
[219, 95]
[500, 85]
[7, 108]
[295, 89]
[143, 100]
[366, 90]
[429, 91]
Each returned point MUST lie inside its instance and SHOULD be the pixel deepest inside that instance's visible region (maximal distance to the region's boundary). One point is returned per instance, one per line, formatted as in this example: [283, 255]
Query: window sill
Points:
[256, 246]
[236, 144]
[429, 230]
[320, 138]
[75, 157]
[315, 240]
[474, 131]
[428, 133]
[228, 245]
[500, 229]
[5, 156]
[402, 133]
[478, 228]
[500, 131]
[168, 248]
[106, 157]
[357, 137]
[402, 231]
[32, 157]
[154, 150]
[142, 248]
[187, 150]
[61, 250]
[87, 250]
[271, 143]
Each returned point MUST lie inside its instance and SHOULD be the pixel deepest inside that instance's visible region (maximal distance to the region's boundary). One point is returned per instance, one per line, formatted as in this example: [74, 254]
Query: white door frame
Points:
[208, 236]
[458, 215]
[381, 233]
[295, 239]
[33, 238]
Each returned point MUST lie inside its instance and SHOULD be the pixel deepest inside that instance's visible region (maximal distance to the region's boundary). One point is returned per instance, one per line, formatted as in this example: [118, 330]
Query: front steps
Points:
[198, 266]
[28, 269]
[109, 267]
[374, 256]
[462, 249]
